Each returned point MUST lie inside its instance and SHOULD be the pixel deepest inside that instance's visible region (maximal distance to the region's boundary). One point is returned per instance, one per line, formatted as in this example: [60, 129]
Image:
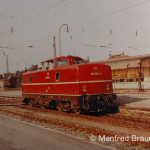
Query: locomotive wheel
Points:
[59, 107]
[42, 107]
[53, 105]
[31, 103]
[77, 110]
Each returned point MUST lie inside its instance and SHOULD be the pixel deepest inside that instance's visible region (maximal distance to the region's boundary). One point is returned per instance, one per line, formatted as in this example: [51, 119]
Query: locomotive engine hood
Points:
[95, 78]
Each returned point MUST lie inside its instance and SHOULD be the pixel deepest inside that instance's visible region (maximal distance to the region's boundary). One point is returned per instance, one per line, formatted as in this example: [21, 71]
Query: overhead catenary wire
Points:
[88, 22]
[91, 21]
[36, 15]
[15, 16]
[40, 13]
[113, 13]
[53, 15]
[109, 14]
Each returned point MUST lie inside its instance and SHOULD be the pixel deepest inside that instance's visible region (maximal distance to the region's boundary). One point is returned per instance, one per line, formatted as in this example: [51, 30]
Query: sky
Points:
[97, 28]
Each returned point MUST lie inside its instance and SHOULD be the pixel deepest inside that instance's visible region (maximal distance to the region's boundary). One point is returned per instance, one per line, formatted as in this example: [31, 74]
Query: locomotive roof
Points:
[70, 61]
[63, 57]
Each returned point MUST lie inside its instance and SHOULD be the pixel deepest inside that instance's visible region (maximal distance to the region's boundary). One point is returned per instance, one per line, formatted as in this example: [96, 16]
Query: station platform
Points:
[11, 92]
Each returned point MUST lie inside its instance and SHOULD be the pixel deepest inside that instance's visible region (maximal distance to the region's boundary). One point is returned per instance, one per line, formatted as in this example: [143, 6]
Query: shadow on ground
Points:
[125, 99]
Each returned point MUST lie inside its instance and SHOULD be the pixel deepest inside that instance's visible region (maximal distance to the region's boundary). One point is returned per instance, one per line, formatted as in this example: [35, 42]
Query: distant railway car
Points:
[69, 84]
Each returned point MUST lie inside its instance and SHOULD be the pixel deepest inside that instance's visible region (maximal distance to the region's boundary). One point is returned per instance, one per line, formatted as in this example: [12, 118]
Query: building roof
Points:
[127, 58]
[123, 62]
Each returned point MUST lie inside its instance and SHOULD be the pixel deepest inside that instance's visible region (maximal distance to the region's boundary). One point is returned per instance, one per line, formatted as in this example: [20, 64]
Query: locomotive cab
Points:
[60, 61]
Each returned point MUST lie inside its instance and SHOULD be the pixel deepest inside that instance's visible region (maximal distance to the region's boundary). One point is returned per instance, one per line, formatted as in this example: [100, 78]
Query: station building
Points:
[130, 72]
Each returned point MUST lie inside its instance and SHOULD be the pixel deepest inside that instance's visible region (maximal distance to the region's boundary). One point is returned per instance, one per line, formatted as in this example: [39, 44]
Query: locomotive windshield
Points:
[61, 62]
[78, 61]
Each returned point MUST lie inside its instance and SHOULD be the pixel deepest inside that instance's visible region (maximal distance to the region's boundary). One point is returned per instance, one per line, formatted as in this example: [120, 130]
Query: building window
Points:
[122, 80]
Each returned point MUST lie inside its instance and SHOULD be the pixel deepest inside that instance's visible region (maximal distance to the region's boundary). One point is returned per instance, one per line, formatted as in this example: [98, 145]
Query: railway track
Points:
[74, 127]
[115, 119]
[9, 100]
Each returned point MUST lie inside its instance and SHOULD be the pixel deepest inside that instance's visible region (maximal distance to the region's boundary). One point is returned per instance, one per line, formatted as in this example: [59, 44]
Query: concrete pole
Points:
[60, 37]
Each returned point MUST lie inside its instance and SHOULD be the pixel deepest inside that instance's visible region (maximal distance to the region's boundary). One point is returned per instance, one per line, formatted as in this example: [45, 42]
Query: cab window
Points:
[48, 65]
[61, 62]
[78, 61]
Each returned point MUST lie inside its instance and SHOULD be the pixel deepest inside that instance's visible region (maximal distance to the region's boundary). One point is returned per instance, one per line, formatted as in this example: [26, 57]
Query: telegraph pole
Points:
[7, 63]
[140, 77]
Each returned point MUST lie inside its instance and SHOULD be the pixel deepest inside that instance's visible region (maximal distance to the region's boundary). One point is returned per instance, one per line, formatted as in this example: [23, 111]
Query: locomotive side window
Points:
[57, 76]
[61, 62]
[30, 78]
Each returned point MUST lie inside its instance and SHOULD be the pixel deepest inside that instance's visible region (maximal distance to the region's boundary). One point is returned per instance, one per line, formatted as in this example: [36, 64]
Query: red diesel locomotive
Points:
[69, 84]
